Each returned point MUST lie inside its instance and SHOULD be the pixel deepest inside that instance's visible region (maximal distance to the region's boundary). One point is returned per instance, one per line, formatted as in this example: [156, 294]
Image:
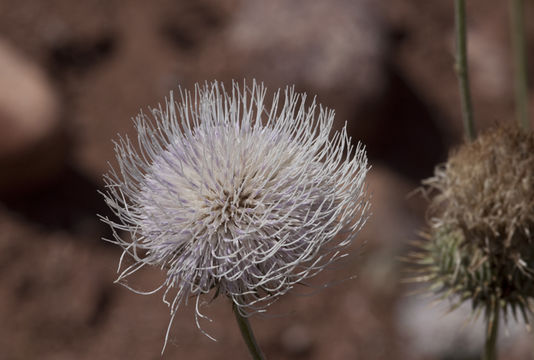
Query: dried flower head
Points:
[231, 196]
[480, 244]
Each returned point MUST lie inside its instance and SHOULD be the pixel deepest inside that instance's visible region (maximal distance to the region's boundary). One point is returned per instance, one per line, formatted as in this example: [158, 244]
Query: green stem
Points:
[517, 21]
[492, 330]
[248, 335]
[462, 71]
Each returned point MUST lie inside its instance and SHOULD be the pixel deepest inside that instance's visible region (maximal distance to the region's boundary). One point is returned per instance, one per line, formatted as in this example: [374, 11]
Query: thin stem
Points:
[462, 71]
[492, 330]
[248, 335]
[517, 21]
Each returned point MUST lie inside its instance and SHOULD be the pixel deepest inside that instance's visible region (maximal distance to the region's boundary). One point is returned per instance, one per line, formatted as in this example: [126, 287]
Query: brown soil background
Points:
[387, 69]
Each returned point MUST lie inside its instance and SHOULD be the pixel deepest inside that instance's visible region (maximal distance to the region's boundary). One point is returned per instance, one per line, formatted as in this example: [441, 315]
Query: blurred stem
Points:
[517, 21]
[492, 330]
[248, 335]
[461, 69]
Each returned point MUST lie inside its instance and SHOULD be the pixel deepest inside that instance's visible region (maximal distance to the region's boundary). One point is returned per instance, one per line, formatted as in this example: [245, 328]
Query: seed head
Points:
[480, 245]
[233, 197]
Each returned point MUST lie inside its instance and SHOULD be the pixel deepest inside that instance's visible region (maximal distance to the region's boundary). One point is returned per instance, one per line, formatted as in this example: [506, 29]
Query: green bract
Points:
[481, 221]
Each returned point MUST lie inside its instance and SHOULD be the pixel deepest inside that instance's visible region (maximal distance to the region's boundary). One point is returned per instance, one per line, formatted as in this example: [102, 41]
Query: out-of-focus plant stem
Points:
[462, 70]
[517, 22]
[248, 334]
[492, 331]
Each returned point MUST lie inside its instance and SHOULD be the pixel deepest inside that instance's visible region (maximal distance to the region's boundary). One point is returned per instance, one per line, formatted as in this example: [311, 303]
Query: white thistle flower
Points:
[227, 194]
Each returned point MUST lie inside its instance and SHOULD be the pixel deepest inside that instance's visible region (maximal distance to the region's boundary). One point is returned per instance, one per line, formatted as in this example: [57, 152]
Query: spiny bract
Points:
[227, 194]
[480, 245]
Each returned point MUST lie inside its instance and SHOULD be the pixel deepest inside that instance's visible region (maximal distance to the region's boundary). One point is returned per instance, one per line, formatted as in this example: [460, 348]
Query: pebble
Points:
[29, 121]
[296, 340]
[333, 48]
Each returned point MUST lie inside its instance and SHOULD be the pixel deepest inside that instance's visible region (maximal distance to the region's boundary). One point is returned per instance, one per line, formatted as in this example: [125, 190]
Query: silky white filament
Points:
[227, 194]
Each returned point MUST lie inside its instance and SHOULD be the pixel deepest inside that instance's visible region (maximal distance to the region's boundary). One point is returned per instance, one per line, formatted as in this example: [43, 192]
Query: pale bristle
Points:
[228, 195]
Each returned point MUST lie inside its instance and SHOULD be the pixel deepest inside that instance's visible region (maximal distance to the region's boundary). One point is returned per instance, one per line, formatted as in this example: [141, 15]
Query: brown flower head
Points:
[479, 245]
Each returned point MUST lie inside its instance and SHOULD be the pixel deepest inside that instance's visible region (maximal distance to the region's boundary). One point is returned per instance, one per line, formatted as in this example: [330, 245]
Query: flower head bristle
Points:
[227, 195]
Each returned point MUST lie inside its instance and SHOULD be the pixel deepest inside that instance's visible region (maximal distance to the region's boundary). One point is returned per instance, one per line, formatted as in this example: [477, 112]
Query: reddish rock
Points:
[28, 104]
[331, 48]
[30, 122]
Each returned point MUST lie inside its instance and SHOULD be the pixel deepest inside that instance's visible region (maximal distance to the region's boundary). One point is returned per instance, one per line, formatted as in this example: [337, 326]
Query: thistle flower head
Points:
[480, 244]
[231, 196]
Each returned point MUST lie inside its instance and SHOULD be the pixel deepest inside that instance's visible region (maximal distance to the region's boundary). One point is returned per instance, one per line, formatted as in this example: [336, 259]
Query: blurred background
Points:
[73, 73]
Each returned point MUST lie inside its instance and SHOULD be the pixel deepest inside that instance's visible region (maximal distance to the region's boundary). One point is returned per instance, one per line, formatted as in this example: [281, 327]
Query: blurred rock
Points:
[29, 119]
[296, 340]
[332, 48]
[53, 289]
[433, 332]
[27, 102]
[37, 26]
[489, 64]
[425, 54]
[395, 216]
